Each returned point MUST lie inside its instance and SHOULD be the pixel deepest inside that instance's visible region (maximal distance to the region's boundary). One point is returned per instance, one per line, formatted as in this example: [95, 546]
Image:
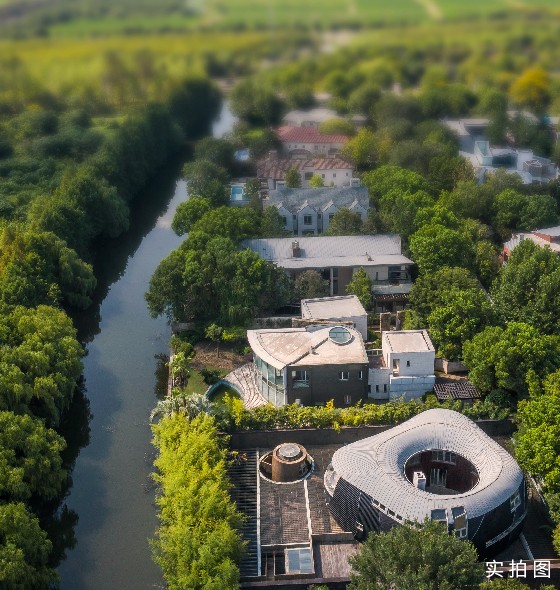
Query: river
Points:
[111, 491]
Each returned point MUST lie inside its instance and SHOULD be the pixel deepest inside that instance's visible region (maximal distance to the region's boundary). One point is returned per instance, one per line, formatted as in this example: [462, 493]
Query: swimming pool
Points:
[237, 192]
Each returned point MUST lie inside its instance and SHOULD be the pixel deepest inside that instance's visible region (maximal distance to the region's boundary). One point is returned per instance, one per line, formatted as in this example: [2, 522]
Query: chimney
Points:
[273, 155]
[295, 249]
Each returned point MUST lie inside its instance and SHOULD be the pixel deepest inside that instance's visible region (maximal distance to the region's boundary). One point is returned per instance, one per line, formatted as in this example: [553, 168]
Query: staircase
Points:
[243, 379]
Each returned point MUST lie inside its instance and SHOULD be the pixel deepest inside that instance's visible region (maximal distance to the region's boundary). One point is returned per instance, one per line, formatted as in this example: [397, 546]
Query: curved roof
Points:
[375, 465]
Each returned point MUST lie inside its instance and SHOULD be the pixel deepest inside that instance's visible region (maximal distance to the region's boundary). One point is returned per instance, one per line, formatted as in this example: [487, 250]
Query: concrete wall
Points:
[411, 387]
[268, 439]
[379, 379]
[421, 363]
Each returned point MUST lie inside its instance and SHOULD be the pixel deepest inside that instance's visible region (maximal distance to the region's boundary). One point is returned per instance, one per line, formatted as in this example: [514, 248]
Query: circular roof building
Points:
[438, 465]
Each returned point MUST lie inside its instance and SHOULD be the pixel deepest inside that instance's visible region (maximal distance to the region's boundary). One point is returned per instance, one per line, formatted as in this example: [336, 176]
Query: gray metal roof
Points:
[326, 308]
[294, 198]
[376, 464]
[326, 251]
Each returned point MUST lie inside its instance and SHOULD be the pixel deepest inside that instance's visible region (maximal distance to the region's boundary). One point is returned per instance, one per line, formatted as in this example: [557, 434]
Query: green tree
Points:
[408, 557]
[344, 223]
[387, 178]
[40, 362]
[215, 333]
[272, 224]
[215, 150]
[30, 461]
[459, 316]
[434, 246]
[361, 149]
[398, 210]
[235, 223]
[526, 288]
[206, 179]
[198, 543]
[24, 550]
[188, 213]
[501, 358]
[337, 126]
[429, 290]
[256, 103]
[361, 286]
[310, 284]
[316, 181]
[510, 584]
[293, 178]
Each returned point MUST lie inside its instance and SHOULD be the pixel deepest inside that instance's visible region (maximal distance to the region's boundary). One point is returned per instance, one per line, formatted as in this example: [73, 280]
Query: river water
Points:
[112, 493]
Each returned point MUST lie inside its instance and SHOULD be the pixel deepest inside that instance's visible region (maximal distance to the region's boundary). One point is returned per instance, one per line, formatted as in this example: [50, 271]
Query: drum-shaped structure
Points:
[438, 465]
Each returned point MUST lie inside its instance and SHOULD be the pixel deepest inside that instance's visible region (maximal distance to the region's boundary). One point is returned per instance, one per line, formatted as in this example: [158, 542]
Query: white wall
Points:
[379, 379]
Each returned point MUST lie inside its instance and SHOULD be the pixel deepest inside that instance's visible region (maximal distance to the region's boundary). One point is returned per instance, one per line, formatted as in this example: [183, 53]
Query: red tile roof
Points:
[307, 135]
[276, 168]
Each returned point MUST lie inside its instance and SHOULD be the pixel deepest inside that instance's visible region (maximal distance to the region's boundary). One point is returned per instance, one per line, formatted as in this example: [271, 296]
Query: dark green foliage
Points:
[256, 103]
[208, 180]
[198, 544]
[188, 213]
[425, 556]
[40, 361]
[310, 284]
[193, 105]
[38, 268]
[501, 358]
[235, 223]
[293, 178]
[30, 462]
[24, 551]
[344, 223]
[272, 224]
[527, 288]
[216, 283]
[217, 151]
[459, 315]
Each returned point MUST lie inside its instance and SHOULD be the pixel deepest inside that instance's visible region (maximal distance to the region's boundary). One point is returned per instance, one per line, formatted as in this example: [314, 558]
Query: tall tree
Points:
[310, 284]
[344, 223]
[407, 557]
[361, 286]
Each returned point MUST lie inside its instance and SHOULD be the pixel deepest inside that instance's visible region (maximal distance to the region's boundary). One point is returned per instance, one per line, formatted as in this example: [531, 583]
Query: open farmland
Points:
[102, 17]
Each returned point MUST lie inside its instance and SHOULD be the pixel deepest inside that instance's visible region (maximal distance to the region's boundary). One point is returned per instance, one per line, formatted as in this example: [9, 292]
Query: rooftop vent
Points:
[287, 463]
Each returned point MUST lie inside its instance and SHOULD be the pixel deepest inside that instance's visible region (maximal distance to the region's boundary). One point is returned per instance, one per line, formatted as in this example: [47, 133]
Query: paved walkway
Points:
[243, 379]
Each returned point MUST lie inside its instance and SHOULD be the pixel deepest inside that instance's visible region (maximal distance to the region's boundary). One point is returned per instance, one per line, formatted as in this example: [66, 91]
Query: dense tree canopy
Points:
[501, 358]
[198, 543]
[24, 550]
[344, 223]
[361, 286]
[30, 462]
[188, 213]
[310, 284]
[426, 557]
[40, 361]
[208, 180]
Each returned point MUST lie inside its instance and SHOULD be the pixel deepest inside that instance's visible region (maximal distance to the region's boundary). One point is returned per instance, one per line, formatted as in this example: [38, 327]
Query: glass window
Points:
[514, 501]
[377, 389]
[408, 363]
[331, 215]
[360, 375]
[348, 399]
[308, 175]
[285, 220]
[307, 220]
[343, 375]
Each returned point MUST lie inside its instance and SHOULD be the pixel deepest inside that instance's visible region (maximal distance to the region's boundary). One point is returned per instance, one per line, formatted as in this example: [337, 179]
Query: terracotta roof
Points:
[276, 168]
[308, 135]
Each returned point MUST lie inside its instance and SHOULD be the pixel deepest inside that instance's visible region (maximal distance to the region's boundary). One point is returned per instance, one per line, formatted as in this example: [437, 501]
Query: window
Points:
[408, 363]
[347, 174]
[316, 147]
[284, 220]
[307, 220]
[334, 175]
[514, 501]
[384, 387]
[377, 389]
[348, 399]
[343, 375]
[461, 533]
[308, 175]
[322, 176]
[300, 378]
[360, 375]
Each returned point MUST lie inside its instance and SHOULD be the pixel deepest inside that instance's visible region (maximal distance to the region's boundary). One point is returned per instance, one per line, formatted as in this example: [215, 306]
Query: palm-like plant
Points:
[181, 402]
